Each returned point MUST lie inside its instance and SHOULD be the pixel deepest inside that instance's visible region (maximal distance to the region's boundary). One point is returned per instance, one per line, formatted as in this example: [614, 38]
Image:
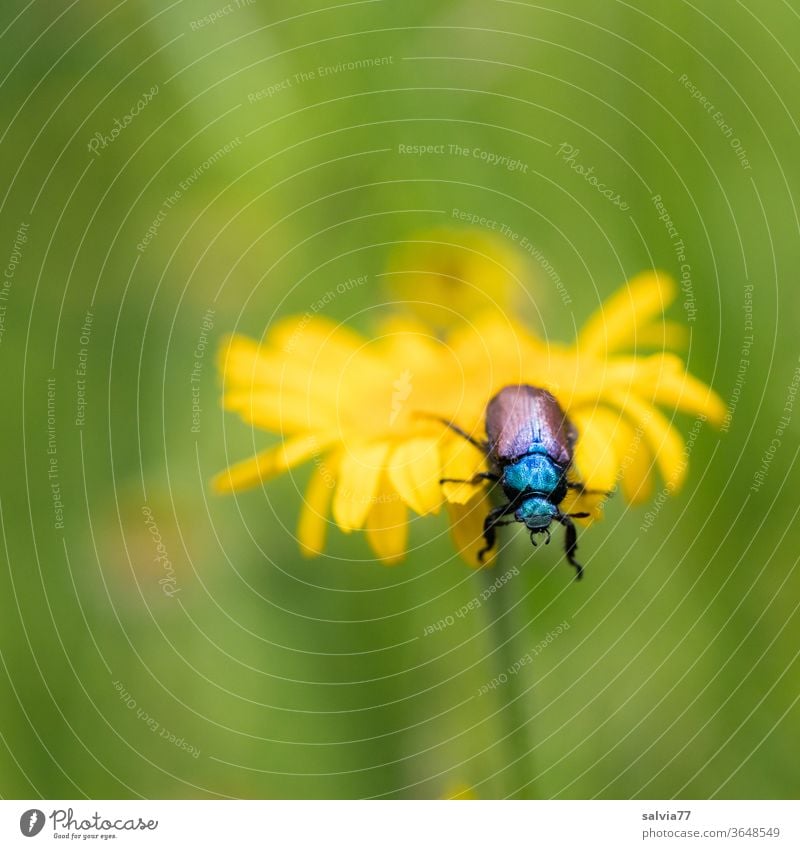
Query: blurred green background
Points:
[270, 676]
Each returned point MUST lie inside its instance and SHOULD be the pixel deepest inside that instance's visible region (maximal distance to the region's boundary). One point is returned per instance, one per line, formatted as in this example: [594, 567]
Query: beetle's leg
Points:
[477, 478]
[577, 485]
[571, 542]
[490, 523]
[481, 446]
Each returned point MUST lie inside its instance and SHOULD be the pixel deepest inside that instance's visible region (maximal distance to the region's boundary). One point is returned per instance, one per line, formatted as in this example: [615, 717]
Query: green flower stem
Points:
[507, 630]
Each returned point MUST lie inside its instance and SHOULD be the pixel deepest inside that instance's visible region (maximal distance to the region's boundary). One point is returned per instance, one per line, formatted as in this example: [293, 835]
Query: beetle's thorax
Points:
[536, 473]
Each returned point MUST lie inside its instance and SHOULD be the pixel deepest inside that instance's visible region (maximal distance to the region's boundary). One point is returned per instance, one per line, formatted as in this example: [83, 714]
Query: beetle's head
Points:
[536, 513]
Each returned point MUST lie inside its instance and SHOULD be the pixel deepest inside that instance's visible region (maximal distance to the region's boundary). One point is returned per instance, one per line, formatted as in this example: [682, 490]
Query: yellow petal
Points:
[665, 442]
[306, 335]
[414, 470]
[410, 342]
[632, 458]
[666, 335]
[309, 373]
[251, 368]
[277, 387]
[637, 468]
[461, 460]
[596, 457]
[279, 411]
[615, 324]
[313, 522]
[678, 389]
[267, 464]
[583, 502]
[359, 471]
[466, 529]
[387, 526]
[238, 359]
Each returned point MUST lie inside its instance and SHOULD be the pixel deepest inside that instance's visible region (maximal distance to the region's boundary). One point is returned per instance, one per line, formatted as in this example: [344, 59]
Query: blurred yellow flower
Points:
[443, 274]
[364, 411]
[462, 792]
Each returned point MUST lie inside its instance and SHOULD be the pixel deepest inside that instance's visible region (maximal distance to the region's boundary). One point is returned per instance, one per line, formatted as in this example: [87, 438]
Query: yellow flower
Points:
[461, 792]
[365, 411]
[444, 274]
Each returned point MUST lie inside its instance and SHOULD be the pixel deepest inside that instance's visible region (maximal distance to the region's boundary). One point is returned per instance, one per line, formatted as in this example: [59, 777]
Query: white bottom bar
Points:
[386, 824]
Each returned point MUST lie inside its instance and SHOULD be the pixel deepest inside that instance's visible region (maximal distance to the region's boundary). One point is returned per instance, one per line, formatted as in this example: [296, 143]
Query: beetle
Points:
[529, 446]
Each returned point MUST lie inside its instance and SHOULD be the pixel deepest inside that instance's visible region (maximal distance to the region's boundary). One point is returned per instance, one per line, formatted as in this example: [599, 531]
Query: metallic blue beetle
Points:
[529, 448]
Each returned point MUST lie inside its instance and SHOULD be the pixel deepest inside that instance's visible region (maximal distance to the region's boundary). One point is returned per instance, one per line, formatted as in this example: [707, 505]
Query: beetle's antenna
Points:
[481, 446]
